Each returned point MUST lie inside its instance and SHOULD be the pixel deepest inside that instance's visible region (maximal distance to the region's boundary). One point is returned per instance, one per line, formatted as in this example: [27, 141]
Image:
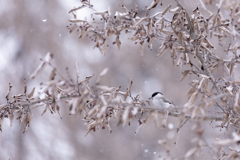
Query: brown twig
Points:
[199, 56]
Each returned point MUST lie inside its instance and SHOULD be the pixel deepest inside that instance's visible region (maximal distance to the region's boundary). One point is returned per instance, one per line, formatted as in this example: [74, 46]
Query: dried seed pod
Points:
[75, 9]
[76, 21]
[27, 121]
[184, 74]
[174, 10]
[161, 51]
[118, 42]
[11, 116]
[166, 9]
[153, 4]
[140, 21]
[103, 73]
[192, 99]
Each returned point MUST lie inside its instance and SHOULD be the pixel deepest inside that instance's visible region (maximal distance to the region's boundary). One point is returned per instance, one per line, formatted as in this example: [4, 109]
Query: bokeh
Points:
[30, 29]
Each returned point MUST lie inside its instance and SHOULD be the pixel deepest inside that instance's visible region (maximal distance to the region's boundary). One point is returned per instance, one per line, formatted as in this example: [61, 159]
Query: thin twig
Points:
[182, 125]
[199, 56]
[219, 96]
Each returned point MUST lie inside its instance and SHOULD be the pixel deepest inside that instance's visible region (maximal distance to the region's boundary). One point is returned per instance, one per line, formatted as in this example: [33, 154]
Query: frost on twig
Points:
[186, 37]
[98, 104]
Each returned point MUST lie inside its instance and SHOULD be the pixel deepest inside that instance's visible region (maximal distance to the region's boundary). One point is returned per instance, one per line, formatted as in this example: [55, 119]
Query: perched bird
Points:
[160, 101]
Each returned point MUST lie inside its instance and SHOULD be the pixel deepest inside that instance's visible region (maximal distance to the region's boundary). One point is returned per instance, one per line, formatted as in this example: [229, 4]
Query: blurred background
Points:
[30, 29]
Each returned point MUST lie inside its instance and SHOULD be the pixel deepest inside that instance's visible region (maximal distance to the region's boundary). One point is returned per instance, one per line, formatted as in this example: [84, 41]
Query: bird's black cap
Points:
[155, 93]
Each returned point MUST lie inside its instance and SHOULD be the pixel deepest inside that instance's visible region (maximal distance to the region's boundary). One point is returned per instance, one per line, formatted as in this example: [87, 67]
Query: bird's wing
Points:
[166, 100]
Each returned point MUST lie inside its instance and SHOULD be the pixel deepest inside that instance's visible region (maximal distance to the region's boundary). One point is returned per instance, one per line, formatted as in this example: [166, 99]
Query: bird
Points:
[160, 101]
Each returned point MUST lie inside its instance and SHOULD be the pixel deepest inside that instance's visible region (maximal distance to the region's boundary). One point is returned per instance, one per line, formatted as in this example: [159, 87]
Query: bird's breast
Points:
[160, 104]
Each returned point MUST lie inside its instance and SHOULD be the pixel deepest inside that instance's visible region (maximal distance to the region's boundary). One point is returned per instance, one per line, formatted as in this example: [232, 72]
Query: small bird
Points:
[160, 101]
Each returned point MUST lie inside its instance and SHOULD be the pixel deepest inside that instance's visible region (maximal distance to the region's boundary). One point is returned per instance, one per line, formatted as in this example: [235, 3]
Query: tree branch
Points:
[141, 109]
[199, 56]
